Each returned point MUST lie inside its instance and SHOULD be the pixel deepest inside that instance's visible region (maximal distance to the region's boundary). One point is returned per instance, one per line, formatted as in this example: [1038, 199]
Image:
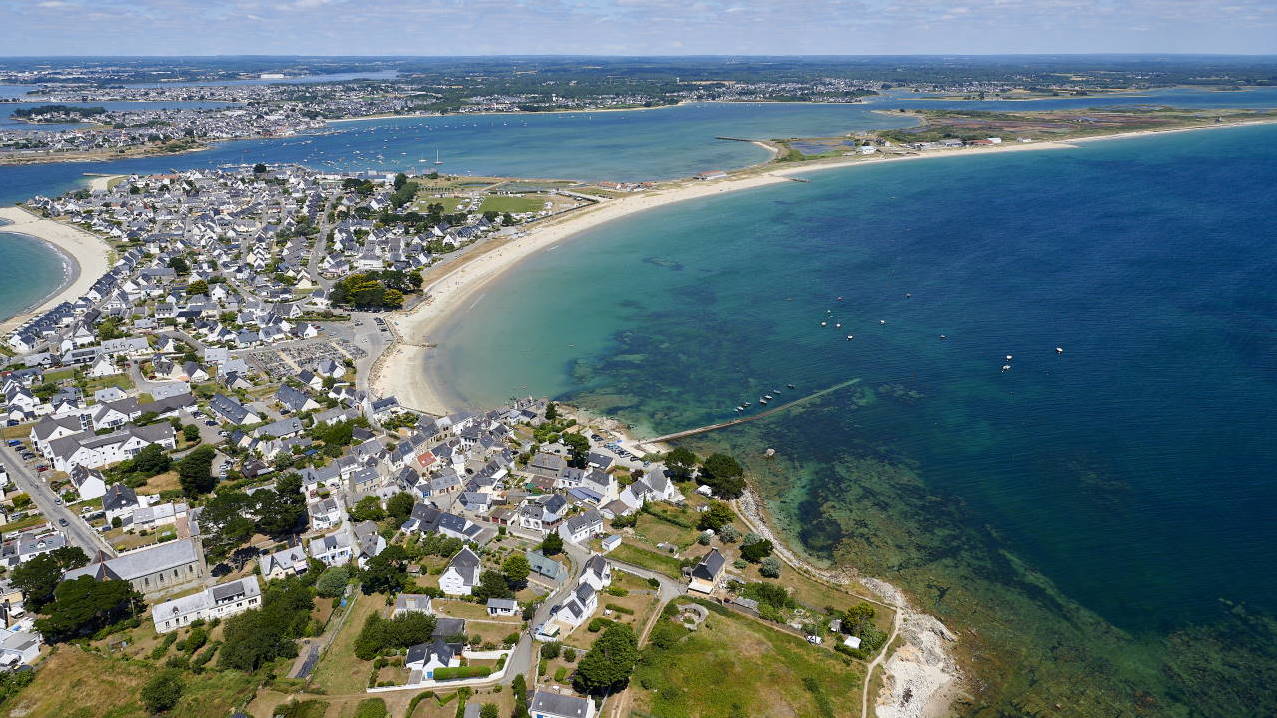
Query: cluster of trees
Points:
[607, 667]
[387, 572]
[381, 636]
[376, 289]
[772, 599]
[720, 472]
[259, 636]
[195, 471]
[404, 192]
[363, 187]
[38, 577]
[150, 461]
[231, 517]
[369, 508]
[755, 548]
[84, 606]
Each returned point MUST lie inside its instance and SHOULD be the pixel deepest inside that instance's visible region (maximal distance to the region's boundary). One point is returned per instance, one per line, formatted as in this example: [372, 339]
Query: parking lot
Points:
[288, 360]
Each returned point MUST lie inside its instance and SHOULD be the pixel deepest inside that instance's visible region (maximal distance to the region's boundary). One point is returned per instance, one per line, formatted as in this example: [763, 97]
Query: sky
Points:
[634, 27]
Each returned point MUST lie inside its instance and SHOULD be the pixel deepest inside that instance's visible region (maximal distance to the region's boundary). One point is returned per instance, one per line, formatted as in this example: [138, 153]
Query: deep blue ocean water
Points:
[29, 271]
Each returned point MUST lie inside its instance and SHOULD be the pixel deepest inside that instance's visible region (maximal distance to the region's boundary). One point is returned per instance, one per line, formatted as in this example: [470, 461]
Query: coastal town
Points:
[197, 442]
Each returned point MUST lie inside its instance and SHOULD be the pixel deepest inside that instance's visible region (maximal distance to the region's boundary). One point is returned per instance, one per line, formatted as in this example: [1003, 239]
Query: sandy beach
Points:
[85, 257]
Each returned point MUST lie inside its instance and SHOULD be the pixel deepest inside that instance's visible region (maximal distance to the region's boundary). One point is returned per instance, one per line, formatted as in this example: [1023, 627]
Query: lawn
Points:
[651, 560]
[339, 671]
[512, 204]
[735, 665]
[77, 684]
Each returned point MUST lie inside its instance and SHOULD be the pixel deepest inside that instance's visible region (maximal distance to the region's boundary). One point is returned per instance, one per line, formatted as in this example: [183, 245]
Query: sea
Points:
[1056, 370]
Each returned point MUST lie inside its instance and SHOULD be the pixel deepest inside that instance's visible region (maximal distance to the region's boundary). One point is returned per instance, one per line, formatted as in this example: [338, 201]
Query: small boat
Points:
[838, 325]
[762, 401]
[768, 397]
[791, 386]
[850, 337]
[740, 408]
[942, 336]
[747, 404]
[823, 324]
[882, 321]
[1008, 357]
[840, 299]
[1006, 367]
[908, 295]
[437, 160]
[1059, 350]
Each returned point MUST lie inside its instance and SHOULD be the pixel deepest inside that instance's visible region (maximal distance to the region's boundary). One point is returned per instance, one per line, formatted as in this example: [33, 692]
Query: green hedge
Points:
[371, 708]
[452, 674]
[621, 609]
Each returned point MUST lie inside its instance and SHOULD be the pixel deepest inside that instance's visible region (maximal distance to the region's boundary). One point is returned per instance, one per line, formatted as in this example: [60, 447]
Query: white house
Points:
[89, 483]
[221, 601]
[335, 549]
[597, 572]
[424, 659]
[289, 562]
[502, 607]
[581, 528]
[461, 575]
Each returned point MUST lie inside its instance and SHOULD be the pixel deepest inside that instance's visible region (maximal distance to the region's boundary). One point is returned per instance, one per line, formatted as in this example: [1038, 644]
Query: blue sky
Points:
[633, 27]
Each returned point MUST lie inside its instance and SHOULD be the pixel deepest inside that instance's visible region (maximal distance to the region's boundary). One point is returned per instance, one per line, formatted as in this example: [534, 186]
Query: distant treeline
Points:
[28, 113]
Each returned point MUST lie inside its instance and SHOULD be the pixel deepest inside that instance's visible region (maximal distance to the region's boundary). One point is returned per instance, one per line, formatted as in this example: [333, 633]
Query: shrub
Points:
[371, 708]
[560, 673]
[551, 650]
[569, 654]
[450, 674]
[770, 567]
[620, 609]
[617, 591]
[163, 691]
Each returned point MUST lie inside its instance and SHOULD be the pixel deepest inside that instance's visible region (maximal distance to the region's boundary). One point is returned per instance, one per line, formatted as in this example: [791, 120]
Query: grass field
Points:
[734, 666]
[659, 562]
[513, 204]
[339, 671]
[77, 684]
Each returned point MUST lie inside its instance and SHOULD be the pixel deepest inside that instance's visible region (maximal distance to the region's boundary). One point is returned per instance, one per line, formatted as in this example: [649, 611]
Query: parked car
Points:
[63, 522]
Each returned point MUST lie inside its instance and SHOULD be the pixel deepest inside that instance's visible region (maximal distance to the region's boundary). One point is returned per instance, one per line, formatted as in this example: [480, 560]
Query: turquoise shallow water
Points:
[38, 265]
[1134, 471]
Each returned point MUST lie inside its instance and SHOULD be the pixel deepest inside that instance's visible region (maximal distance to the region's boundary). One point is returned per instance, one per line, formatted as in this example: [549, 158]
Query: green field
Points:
[512, 204]
[658, 562]
[734, 665]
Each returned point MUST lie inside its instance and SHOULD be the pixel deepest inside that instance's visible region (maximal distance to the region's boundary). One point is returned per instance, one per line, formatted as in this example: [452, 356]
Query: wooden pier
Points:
[752, 417]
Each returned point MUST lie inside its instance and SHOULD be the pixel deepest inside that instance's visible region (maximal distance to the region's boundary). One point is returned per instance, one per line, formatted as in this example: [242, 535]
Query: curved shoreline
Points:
[85, 257]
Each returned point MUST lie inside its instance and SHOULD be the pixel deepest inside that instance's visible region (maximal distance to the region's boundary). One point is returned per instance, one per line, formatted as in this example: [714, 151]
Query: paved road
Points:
[78, 533]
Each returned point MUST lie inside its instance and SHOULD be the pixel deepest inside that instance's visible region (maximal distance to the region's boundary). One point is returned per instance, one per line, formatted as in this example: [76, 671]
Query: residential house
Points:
[545, 704]
[707, 573]
[461, 575]
[220, 601]
[281, 564]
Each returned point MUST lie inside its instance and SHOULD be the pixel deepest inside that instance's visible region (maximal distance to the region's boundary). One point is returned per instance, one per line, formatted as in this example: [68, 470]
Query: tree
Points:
[610, 661]
[716, 516]
[400, 506]
[385, 572]
[756, 551]
[492, 584]
[283, 510]
[259, 168]
[579, 446]
[179, 265]
[332, 582]
[163, 691]
[259, 636]
[552, 545]
[551, 411]
[152, 460]
[83, 606]
[681, 462]
[489, 710]
[38, 577]
[199, 286]
[770, 567]
[516, 569]
[729, 534]
[227, 521]
[190, 432]
[368, 509]
[195, 471]
[724, 475]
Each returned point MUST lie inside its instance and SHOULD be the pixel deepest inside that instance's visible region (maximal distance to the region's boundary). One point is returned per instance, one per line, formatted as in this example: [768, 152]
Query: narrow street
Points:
[78, 533]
